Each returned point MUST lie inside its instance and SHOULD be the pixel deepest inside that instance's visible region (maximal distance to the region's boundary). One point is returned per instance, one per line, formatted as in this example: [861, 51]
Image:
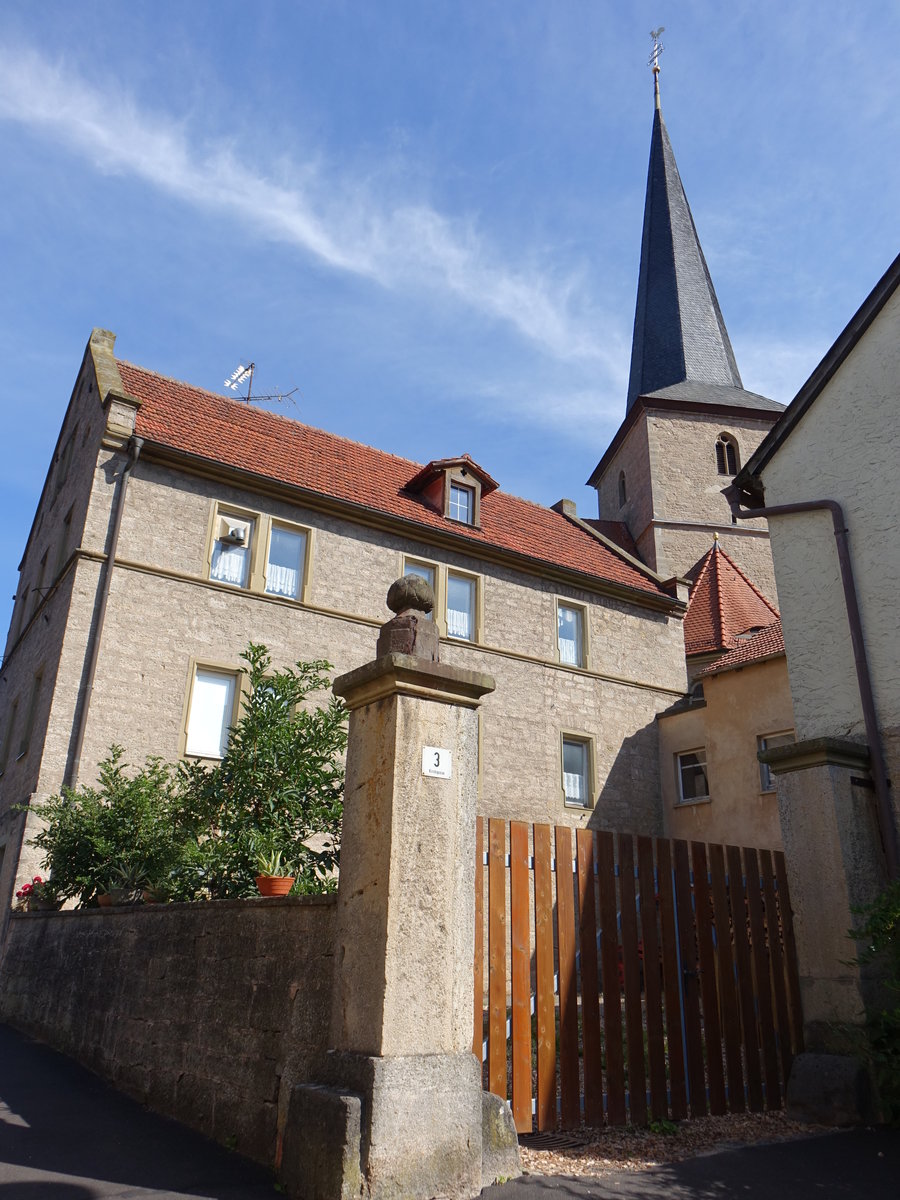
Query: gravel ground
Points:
[598, 1152]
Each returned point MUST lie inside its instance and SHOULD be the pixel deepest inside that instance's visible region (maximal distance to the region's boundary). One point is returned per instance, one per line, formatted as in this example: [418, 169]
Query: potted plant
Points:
[129, 880]
[275, 876]
[38, 896]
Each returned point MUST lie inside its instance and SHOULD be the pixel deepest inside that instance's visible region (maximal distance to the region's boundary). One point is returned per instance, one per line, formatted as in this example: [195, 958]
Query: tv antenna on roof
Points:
[242, 374]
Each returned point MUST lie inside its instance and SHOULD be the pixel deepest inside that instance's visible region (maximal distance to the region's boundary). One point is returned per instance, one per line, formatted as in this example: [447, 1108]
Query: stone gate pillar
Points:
[402, 1111]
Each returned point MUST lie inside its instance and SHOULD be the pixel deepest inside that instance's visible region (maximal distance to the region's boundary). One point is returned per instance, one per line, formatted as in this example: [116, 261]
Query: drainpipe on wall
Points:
[135, 445]
[884, 810]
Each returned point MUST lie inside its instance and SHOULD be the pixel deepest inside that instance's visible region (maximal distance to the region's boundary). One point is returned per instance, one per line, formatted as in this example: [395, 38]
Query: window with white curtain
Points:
[460, 606]
[576, 772]
[211, 712]
[285, 562]
[231, 550]
[570, 621]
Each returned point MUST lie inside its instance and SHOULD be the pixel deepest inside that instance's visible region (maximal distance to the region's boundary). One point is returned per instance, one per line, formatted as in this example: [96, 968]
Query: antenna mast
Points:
[242, 374]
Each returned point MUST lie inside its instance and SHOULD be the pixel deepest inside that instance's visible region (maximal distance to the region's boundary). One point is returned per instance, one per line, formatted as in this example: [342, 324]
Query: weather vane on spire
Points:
[653, 61]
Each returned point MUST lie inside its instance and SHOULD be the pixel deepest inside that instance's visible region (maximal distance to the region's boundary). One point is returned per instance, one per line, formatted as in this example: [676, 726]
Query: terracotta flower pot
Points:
[37, 904]
[274, 885]
[105, 900]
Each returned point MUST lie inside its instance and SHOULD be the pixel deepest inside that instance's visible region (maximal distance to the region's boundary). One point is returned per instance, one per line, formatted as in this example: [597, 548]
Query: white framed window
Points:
[210, 712]
[768, 742]
[462, 503]
[461, 601]
[570, 634]
[692, 780]
[286, 562]
[576, 771]
[230, 561]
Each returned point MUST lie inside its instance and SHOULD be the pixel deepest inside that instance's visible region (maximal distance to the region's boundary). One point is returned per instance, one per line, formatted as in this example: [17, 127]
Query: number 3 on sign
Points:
[436, 762]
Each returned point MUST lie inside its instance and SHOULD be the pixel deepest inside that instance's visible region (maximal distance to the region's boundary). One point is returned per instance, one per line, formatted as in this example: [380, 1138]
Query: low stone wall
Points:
[208, 1013]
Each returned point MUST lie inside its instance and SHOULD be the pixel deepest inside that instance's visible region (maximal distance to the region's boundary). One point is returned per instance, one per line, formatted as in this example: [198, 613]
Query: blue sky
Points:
[426, 216]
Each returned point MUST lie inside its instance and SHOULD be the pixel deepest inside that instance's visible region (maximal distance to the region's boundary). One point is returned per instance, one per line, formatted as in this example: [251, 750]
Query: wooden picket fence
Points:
[631, 979]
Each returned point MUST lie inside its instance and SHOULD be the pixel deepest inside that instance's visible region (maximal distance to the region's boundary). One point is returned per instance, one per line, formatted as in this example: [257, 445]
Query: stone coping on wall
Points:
[411, 676]
[816, 752]
[195, 906]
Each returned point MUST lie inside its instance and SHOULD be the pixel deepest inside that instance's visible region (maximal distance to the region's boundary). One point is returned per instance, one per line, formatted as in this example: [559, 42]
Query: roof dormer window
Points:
[453, 487]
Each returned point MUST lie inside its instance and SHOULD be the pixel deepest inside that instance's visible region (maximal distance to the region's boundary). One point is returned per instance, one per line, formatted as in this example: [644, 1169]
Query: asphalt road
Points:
[65, 1135]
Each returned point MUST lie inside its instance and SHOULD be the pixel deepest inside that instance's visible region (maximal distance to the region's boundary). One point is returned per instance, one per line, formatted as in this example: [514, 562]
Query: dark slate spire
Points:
[679, 334]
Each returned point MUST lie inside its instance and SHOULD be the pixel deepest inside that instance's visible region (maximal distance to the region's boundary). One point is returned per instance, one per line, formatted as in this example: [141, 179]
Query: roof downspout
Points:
[73, 766]
[884, 811]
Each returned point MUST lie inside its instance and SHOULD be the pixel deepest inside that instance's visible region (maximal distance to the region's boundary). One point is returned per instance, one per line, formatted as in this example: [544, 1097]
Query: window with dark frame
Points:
[768, 742]
[727, 462]
[692, 779]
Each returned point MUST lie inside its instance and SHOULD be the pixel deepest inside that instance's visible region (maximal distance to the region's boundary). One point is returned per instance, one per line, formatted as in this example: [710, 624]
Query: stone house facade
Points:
[176, 526]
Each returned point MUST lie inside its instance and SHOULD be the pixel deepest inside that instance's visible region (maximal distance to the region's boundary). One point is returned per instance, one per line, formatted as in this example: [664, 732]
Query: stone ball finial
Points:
[410, 592]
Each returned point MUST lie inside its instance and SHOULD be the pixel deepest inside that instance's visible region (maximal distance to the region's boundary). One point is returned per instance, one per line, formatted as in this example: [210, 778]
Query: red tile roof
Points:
[723, 605]
[767, 643]
[196, 422]
[618, 532]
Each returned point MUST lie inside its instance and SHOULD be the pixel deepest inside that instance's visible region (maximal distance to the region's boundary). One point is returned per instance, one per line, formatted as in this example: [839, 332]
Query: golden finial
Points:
[715, 537]
[653, 62]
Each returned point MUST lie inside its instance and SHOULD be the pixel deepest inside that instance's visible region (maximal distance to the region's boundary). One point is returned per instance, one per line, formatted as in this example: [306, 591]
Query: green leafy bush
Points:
[128, 826]
[199, 831]
[279, 786]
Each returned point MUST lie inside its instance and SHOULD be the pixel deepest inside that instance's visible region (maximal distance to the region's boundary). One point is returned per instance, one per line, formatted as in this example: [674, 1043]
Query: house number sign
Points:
[436, 763]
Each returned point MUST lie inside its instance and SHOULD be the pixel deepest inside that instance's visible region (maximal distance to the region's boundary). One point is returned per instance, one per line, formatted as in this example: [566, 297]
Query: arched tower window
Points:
[727, 460]
[623, 491]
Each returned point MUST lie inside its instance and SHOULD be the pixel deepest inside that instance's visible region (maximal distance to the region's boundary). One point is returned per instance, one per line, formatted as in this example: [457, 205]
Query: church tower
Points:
[689, 422]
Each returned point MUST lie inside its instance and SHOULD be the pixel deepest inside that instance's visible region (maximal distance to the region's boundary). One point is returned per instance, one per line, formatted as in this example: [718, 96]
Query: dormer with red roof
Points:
[453, 487]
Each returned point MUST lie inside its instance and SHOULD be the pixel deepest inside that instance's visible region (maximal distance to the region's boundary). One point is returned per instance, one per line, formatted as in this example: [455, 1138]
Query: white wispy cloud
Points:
[335, 219]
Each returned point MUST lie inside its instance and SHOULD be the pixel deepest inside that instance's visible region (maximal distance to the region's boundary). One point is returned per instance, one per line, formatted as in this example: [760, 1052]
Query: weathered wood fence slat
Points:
[625, 979]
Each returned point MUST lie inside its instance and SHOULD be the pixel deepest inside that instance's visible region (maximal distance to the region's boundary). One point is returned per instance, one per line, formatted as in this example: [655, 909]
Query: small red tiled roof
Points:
[767, 643]
[196, 422]
[723, 605]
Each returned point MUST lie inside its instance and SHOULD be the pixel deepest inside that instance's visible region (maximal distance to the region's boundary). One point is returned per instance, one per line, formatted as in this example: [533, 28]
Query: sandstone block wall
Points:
[208, 1013]
[165, 615]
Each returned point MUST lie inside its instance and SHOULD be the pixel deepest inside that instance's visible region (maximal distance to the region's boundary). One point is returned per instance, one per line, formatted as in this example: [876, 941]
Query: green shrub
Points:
[198, 831]
[880, 930]
[279, 786]
[128, 827]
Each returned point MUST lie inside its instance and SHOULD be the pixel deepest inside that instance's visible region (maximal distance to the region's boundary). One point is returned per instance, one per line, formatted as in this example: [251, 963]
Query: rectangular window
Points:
[425, 571]
[65, 461]
[692, 781]
[286, 562]
[211, 712]
[576, 772]
[570, 621]
[766, 782]
[460, 606]
[63, 548]
[231, 550]
[8, 736]
[30, 715]
[462, 503]
[37, 592]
